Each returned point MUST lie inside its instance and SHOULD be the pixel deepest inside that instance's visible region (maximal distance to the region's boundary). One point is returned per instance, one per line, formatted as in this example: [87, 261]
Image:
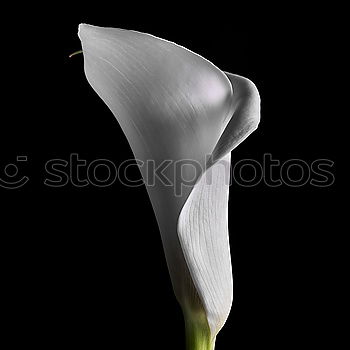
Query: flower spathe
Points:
[173, 104]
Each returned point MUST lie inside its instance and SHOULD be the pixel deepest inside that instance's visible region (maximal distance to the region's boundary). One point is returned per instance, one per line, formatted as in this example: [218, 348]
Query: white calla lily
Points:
[174, 105]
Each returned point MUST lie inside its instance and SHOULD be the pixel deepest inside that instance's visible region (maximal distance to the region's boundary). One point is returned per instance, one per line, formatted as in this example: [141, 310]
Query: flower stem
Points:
[198, 335]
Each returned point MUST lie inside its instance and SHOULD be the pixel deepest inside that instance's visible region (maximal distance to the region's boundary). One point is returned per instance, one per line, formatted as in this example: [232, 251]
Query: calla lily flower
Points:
[174, 105]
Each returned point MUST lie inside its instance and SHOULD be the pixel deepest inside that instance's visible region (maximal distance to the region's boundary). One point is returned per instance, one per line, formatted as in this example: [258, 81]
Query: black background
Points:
[85, 266]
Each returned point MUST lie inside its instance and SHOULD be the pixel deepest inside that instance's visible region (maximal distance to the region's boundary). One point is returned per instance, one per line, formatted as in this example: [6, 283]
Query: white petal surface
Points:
[172, 104]
[203, 233]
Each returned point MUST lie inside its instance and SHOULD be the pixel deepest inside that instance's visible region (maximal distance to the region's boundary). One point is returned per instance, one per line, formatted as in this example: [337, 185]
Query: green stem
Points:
[75, 53]
[198, 335]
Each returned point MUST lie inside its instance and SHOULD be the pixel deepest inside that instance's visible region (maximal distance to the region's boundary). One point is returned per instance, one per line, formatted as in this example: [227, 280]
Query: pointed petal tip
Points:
[82, 28]
[88, 30]
[85, 28]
